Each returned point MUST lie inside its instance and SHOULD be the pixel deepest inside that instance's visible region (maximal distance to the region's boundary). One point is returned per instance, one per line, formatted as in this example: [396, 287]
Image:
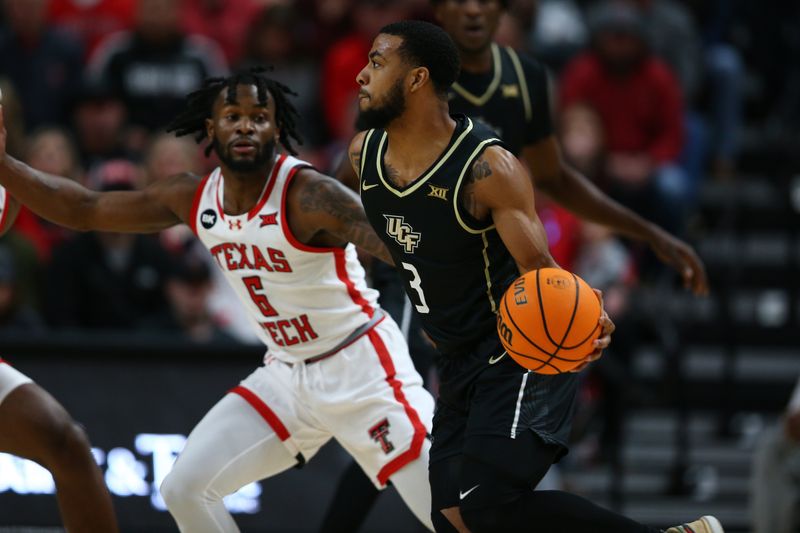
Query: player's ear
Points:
[210, 128]
[419, 77]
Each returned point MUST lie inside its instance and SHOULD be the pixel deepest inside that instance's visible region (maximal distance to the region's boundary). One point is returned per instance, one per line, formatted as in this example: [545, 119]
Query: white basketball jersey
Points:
[305, 300]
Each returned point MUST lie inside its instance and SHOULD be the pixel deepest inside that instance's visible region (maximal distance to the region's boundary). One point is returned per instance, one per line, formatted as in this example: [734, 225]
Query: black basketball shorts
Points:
[485, 393]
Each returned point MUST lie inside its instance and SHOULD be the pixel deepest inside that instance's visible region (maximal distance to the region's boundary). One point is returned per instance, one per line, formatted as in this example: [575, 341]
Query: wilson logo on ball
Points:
[505, 332]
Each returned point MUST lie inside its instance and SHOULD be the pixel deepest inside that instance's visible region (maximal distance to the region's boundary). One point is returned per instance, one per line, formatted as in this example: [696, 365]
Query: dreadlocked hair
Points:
[192, 120]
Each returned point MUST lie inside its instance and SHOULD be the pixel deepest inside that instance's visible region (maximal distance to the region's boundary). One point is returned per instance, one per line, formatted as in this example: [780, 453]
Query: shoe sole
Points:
[713, 524]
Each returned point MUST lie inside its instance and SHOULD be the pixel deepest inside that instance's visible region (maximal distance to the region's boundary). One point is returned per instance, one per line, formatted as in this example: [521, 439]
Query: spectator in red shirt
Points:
[347, 57]
[223, 21]
[91, 20]
[640, 106]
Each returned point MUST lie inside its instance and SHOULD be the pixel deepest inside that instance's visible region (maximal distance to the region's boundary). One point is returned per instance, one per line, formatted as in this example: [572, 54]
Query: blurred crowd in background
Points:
[88, 87]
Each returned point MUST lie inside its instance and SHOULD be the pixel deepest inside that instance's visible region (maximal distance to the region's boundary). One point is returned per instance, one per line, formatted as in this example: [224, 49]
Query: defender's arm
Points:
[323, 211]
[67, 203]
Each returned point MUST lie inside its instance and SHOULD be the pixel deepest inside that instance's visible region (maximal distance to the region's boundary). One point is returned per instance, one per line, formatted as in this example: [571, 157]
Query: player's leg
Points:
[229, 448]
[381, 413]
[498, 475]
[355, 496]
[252, 433]
[38, 428]
[412, 484]
[517, 427]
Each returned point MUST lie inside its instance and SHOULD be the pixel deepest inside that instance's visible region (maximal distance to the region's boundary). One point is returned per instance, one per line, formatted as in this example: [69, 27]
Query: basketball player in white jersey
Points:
[337, 366]
[33, 425]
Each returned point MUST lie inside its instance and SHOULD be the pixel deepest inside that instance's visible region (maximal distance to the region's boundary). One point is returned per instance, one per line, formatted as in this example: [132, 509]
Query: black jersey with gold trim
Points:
[454, 268]
[512, 98]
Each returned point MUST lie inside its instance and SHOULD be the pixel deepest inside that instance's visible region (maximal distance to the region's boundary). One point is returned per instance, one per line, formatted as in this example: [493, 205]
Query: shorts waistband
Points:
[357, 333]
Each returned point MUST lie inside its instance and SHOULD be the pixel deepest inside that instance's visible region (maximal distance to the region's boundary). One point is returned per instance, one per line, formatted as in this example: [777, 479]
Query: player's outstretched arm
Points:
[323, 211]
[69, 204]
[577, 193]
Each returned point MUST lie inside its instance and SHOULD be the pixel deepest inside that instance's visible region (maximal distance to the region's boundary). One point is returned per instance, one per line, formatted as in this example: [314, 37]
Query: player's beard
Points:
[382, 115]
[263, 156]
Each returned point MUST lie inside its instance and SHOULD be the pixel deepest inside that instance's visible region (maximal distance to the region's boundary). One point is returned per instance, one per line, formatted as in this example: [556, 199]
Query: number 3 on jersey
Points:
[416, 284]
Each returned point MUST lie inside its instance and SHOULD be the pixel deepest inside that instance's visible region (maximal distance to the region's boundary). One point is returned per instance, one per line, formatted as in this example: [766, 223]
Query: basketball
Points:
[548, 320]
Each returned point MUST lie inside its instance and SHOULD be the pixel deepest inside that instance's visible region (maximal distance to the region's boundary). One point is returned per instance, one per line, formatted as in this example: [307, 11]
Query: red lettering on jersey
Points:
[278, 260]
[270, 219]
[240, 260]
[272, 329]
[227, 248]
[259, 262]
[289, 340]
[215, 251]
[304, 329]
[244, 262]
[234, 224]
[290, 332]
[253, 284]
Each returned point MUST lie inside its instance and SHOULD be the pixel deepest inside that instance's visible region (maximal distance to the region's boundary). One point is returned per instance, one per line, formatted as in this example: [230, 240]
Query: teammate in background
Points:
[456, 211]
[337, 366]
[34, 426]
[509, 92]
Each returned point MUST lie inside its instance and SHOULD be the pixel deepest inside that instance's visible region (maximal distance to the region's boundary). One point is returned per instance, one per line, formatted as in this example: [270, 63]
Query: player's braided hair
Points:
[200, 103]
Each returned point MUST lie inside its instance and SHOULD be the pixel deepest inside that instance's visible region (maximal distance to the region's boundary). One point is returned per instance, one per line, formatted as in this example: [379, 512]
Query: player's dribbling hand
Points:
[682, 258]
[602, 342]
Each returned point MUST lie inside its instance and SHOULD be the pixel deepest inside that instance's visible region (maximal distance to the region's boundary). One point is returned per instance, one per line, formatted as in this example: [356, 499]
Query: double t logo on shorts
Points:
[379, 433]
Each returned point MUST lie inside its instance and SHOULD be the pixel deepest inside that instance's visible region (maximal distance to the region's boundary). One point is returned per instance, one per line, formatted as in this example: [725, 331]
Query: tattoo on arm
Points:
[481, 169]
[330, 198]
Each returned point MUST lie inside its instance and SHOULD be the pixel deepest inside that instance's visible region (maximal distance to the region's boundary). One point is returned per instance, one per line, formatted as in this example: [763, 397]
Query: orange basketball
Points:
[548, 320]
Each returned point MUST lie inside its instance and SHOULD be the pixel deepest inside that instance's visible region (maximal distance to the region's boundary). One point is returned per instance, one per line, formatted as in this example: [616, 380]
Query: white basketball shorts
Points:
[367, 396]
[10, 379]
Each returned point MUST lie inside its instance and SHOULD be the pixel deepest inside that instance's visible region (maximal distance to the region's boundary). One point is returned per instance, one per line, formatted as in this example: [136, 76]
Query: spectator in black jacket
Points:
[107, 280]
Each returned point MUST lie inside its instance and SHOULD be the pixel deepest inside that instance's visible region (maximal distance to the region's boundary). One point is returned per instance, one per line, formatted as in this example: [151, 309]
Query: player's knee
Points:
[182, 486]
[64, 444]
[487, 519]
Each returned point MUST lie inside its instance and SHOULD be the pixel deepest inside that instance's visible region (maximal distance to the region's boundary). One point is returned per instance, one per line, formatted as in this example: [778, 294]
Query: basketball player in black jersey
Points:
[455, 209]
[509, 92]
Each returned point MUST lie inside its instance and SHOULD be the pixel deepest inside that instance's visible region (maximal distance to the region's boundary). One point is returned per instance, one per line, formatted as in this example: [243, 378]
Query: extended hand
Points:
[604, 340]
[682, 258]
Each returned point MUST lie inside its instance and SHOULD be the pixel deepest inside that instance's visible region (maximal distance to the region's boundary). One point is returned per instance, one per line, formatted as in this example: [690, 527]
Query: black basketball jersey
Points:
[511, 99]
[454, 268]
